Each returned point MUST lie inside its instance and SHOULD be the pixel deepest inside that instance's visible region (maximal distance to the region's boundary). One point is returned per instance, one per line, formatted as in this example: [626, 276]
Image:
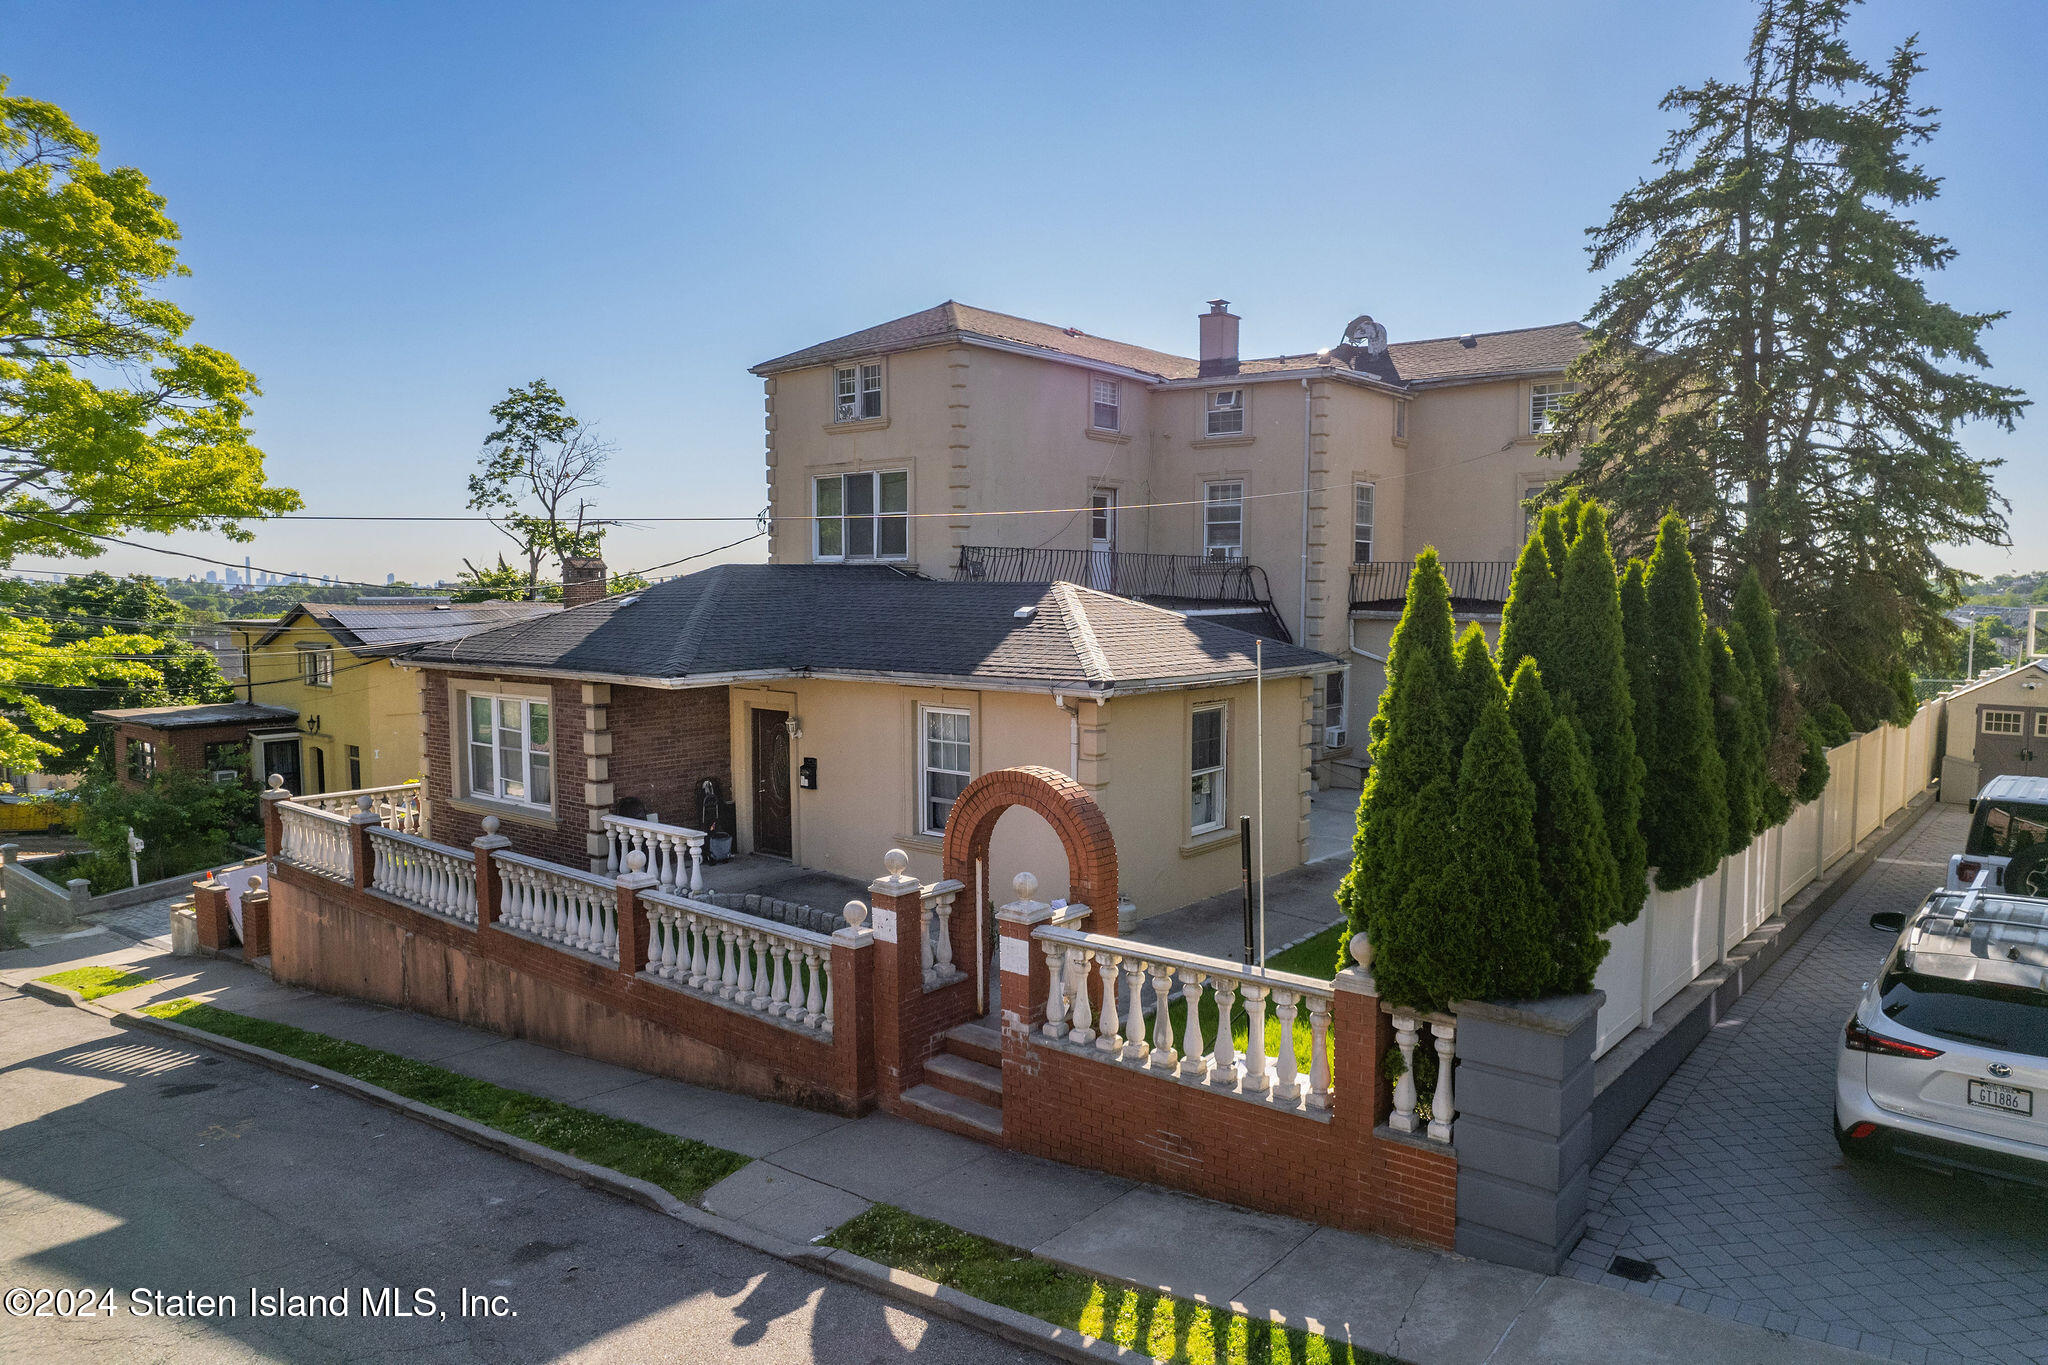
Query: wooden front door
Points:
[771, 783]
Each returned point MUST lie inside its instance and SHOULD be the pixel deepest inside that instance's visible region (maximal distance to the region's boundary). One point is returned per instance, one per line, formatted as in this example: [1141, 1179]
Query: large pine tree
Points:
[1685, 800]
[1767, 360]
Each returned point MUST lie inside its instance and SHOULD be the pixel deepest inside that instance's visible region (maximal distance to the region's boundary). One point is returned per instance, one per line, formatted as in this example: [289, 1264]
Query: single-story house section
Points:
[837, 710]
[1997, 727]
[214, 738]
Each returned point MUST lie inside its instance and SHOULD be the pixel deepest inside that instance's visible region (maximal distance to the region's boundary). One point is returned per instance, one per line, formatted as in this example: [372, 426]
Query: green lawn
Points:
[1316, 957]
[93, 982]
[1159, 1325]
[682, 1166]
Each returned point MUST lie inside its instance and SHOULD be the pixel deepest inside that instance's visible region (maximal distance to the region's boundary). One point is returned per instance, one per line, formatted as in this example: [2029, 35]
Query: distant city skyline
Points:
[393, 215]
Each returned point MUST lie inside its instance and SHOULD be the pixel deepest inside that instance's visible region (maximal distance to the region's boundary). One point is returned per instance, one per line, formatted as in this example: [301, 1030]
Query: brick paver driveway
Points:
[1730, 1182]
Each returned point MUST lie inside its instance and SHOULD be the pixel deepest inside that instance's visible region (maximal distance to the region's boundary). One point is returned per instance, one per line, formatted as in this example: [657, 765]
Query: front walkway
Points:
[1729, 1183]
[815, 1171]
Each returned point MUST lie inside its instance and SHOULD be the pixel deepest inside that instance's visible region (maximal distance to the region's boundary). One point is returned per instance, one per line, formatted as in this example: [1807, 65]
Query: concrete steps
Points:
[970, 1080]
[955, 1113]
[977, 1042]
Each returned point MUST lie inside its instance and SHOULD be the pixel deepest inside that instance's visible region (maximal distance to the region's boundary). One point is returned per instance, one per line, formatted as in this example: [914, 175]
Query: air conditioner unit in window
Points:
[225, 777]
[846, 412]
[1335, 737]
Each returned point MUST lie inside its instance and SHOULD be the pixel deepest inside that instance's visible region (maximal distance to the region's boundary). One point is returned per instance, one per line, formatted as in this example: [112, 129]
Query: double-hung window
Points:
[141, 760]
[1361, 523]
[1223, 521]
[511, 748]
[2041, 725]
[862, 516]
[1226, 412]
[2001, 722]
[1400, 419]
[1333, 700]
[1205, 771]
[1106, 405]
[1546, 403]
[316, 666]
[947, 765]
[857, 393]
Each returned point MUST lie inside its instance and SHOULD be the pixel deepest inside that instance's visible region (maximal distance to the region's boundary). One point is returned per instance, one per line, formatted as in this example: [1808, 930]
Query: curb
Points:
[914, 1290]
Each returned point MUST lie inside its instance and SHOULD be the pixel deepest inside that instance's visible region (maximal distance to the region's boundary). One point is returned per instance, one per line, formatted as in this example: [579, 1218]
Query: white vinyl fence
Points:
[1681, 934]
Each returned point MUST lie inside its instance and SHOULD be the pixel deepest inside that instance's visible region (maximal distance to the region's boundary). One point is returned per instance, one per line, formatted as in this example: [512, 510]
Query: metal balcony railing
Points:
[1163, 580]
[1474, 583]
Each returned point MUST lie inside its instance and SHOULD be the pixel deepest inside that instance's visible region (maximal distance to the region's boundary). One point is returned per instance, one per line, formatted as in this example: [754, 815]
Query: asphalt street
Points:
[153, 1175]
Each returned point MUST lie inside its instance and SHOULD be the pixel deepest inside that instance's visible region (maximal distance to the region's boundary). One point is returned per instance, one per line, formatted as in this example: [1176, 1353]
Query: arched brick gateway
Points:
[1066, 806]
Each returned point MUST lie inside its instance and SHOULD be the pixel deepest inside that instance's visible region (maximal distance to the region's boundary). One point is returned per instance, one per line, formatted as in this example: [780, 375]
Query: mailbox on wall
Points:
[807, 774]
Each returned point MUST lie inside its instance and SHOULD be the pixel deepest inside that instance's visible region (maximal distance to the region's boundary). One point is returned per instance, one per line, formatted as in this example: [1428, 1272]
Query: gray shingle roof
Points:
[785, 619]
[192, 717]
[1440, 360]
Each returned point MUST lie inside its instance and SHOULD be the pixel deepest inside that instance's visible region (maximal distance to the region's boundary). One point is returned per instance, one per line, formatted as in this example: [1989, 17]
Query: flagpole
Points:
[1259, 695]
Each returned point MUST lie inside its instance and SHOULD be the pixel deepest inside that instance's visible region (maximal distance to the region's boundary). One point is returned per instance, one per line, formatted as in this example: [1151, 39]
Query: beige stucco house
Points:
[839, 709]
[1287, 494]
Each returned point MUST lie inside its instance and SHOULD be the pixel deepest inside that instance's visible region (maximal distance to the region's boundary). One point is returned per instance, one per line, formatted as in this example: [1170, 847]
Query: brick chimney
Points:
[583, 579]
[1219, 339]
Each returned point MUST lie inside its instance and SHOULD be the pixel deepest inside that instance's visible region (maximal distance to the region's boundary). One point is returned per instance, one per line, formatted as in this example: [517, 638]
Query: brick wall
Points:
[181, 748]
[662, 744]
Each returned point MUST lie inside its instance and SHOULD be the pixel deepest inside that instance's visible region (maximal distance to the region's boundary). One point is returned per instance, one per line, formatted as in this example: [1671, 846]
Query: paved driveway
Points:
[1730, 1182]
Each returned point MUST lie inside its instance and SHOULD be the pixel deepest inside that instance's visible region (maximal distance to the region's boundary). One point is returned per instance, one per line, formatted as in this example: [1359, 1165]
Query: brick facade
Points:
[660, 744]
[184, 747]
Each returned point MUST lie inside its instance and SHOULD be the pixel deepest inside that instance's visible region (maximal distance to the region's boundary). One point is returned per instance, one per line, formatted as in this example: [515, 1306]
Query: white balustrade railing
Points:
[741, 961]
[315, 839]
[675, 854]
[1199, 1051]
[576, 910]
[1441, 1030]
[397, 806]
[430, 877]
[939, 968]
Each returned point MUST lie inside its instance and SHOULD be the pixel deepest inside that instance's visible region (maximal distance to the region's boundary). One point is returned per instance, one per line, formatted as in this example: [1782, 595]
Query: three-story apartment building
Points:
[1288, 494]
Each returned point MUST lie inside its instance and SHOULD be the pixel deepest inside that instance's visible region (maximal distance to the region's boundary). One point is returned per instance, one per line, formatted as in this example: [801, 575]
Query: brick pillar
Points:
[487, 873]
[359, 825]
[853, 1009]
[898, 919]
[1360, 1035]
[256, 920]
[210, 910]
[273, 832]
[633, 927]
[1024, 985]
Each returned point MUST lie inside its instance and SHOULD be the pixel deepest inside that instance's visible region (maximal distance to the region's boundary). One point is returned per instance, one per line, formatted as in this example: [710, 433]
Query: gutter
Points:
[1079, 687]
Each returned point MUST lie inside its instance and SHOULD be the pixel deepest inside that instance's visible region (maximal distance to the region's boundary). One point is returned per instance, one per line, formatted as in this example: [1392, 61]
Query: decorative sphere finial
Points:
[277, 782]
[1361, 952]
[490, 824]
[894, 861]
[255, 884]
[856, 913]
[363, 804]
[1025, 885]
[636, 861]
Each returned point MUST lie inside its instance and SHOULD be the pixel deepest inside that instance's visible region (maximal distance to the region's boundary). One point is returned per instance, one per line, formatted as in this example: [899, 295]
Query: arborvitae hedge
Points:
[1554, 527]
[1580, 879]
[1530, 710]
[1497, 875]
[1587, 672]
[1742, 757]
[1685, 800]
[1635, 634]
[1772, 802]
[1532, 603]
[1753, 626]
[1477, 682]
[1412, 745]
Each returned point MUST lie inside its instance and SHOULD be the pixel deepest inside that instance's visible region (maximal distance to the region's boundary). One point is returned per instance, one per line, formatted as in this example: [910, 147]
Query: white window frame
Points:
[1364, 501]
[1211, 551]
[1098, 386]
[1400, 419]
[1218, 773]
[1101, 516]
[926, 768]
[2041, 725]
[852, 386]
[1333, 710]
[316, 665]
[1545, 399]
[875, 518]
[496, 748]
[2017, 718]
[1232, 411]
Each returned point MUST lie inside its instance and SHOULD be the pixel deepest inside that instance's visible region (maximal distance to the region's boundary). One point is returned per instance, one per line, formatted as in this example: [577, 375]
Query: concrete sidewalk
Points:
[813, 1171]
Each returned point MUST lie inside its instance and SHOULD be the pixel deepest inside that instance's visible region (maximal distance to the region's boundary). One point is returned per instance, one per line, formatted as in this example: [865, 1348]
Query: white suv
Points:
[1946, 1058]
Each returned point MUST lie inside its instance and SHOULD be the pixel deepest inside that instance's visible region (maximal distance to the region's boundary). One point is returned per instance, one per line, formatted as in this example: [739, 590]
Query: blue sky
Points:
[395, 212]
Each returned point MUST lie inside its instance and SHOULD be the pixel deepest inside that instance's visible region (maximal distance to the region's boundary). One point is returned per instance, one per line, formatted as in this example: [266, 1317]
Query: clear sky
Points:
[395, 212]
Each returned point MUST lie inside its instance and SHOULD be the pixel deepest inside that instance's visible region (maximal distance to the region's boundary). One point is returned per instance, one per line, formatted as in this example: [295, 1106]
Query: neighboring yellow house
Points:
[1180, 480]
[337, 666]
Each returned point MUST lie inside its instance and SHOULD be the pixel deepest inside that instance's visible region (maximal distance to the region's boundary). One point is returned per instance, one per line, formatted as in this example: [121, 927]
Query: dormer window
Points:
[1226, 412]
[1106, 409]
[857, 393]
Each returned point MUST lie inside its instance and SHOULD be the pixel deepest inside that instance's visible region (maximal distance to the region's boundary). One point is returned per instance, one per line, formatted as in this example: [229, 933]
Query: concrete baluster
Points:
[1319, 1054]
[1108, 1037]
[1286, 1086]
[1164, 1054]
[1077, 975]
[1192, 1052]
[1403, 1119]
[1134, 1012]
[1441, 1110]
[1223, 1065]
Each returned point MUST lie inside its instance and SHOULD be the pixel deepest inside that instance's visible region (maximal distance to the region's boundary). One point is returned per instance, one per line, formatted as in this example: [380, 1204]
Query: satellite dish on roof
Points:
[1366, 335]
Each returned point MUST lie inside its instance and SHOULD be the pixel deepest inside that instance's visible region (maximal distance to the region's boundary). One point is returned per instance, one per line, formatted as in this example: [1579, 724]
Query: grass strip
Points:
[682, 1166]
[93, 982]
[1162, 1326]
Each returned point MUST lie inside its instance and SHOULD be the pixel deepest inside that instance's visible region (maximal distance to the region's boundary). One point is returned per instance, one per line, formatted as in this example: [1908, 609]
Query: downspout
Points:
[1307, 421]
[1351, 639]
[1073, 735]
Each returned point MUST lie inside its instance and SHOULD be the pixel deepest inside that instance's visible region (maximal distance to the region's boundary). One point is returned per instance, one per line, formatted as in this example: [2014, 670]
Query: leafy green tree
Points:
[1685, 799]
[1737, 740]
[1532, 603]
[187, 823]
[539, 466]
[1580, 879]
[1397, 858]
[109, 420]
[1498, 940]
[1767, 361]
[502, 582]
[1587, 670]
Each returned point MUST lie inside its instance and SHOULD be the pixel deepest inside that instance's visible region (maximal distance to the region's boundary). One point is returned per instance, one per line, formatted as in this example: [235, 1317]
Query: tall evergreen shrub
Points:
[1496, 874]
[1477, 682]
[1532, 602]
[1635, 635]
[1742, 757]
[1580, 881]
[1685, 800]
